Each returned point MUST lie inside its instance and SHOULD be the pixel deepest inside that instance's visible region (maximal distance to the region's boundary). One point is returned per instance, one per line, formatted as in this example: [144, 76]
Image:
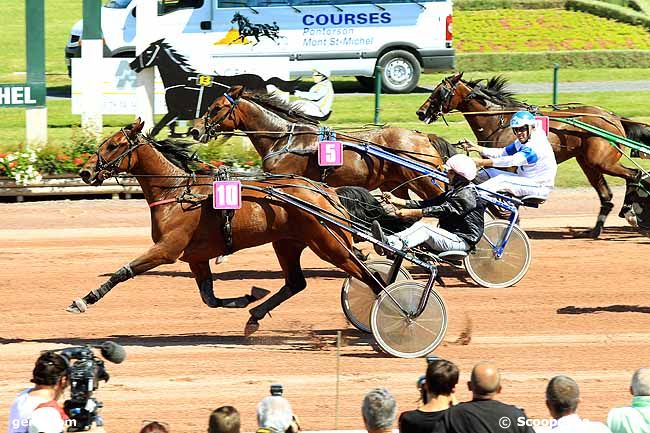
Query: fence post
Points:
[377, 93]
[555, 71]
[36, 115]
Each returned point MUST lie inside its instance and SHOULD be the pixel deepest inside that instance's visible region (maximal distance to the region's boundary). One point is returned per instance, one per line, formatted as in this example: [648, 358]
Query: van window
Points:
[167, 6]
[117, 4]
[266, 3]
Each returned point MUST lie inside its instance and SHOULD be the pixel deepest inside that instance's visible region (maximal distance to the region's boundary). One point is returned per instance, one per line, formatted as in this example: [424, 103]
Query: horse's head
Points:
[236, 18]
[113, 156]
[447, 95]
[219, 117]
[636, 206]
[148, 57]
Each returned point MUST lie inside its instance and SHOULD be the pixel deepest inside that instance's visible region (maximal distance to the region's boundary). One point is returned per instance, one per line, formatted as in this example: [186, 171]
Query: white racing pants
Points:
[500, 180]
[437, 239]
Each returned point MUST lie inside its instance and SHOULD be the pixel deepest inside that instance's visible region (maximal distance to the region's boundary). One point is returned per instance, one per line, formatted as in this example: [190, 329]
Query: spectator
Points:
[635, 418]
[274, 415]
[36, 409]
[379, 411]
[439, 388]
[562, 398]
[224, 419]
[154, 427]
[484, 414]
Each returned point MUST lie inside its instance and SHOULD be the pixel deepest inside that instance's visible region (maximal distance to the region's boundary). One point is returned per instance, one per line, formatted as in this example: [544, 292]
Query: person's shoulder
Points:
[46, 420]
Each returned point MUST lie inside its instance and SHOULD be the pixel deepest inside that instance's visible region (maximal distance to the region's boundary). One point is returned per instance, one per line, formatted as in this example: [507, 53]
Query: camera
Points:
[276, 389]
[422, 381]
[85, 371]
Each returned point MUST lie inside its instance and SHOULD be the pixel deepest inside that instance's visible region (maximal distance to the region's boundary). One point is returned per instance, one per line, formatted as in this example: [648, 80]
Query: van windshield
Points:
[117, 4]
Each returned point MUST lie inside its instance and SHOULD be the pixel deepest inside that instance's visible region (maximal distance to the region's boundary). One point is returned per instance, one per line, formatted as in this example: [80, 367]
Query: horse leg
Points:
[288, 252]
[157, 255]
[167, 118]
[597, 180]
[203, 277]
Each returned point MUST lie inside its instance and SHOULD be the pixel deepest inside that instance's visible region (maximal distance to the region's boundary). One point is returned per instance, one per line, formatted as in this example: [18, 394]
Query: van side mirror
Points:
[133, 12]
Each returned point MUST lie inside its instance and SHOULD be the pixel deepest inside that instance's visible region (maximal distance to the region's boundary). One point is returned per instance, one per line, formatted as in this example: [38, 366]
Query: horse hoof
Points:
[78, 306]
[220, 259]
[251, 327]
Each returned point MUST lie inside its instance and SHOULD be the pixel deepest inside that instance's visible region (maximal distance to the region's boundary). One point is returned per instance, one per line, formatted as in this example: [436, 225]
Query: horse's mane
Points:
[176, 151]
[496, 91]
[181, 59]
[280, 107]
[445, 148]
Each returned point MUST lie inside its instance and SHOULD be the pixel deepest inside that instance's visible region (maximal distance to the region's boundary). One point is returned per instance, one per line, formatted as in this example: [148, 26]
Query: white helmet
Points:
[462, 165]
[522, 118]
[322, 71]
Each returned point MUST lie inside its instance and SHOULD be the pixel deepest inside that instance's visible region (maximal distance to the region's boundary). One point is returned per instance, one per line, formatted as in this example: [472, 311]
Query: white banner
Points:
[118, 80]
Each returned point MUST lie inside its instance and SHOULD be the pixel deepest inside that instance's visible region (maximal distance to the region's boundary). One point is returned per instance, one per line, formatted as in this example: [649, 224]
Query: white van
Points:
[349, 36]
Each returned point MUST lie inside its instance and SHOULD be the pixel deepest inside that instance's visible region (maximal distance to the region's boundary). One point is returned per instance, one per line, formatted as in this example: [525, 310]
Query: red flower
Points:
[85, 155]
[2, 155]
[216, 163]
[78, 161]
[13, 164]
[61, 157]
[250, 162]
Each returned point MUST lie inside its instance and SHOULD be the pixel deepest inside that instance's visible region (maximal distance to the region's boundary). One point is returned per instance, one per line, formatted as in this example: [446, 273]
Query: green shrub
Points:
[642, 5]
[610, 11]
[542, 30]
[540, 60]
[474, 5]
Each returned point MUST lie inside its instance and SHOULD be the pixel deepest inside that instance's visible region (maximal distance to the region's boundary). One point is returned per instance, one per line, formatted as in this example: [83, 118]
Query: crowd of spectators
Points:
[37, 409]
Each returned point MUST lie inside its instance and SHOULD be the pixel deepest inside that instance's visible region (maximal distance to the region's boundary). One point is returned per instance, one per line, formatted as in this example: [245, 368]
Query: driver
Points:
[317, 102]
[459, 212]
[531, 153]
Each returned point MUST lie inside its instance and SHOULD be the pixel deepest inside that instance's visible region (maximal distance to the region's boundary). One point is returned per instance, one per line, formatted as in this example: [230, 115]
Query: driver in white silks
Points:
[318, 100]
[531, 153]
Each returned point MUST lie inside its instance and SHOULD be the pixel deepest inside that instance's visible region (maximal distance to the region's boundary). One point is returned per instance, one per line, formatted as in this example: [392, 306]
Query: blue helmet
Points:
[522, 118]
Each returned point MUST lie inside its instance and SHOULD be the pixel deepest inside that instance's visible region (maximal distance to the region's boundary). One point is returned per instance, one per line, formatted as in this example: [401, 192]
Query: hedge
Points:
[540, 60]
[642, 5]
[477, 5]
[610, 11]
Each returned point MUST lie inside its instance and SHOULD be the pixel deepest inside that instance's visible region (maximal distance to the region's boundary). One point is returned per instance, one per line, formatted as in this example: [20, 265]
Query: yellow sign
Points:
[204, 80]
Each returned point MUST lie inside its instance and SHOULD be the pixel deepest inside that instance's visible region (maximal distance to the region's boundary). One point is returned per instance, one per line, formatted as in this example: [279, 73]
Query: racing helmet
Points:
[462, 165]
[522, 118]
[323, 71]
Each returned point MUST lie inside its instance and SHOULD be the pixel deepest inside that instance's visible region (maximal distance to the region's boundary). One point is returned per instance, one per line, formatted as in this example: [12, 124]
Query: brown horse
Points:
[287, 142]
[185, 226]
[594, 154]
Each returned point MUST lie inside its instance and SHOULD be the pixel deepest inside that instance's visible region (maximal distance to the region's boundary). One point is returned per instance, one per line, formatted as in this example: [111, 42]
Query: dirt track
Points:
[582, 310]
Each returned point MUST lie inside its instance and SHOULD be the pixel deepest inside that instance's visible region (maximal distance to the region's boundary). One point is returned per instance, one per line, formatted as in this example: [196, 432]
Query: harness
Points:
[227, 214]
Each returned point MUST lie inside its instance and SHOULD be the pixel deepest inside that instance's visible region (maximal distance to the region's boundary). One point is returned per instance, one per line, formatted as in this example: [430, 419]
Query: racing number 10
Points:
[226, 194]
[330, 153]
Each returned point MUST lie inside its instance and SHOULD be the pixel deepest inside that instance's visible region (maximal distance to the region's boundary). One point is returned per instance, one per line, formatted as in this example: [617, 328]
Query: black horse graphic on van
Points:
[188, 94]
[246, 29]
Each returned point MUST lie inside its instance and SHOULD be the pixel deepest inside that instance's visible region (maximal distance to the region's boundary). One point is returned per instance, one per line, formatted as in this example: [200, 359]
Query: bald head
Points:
[562, 396]
[485, 382]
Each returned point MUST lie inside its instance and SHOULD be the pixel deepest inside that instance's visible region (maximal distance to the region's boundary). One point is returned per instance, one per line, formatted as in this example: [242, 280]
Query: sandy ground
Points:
[581, 310]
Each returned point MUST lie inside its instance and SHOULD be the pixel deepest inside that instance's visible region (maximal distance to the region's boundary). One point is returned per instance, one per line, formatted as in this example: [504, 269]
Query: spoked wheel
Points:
[357, 298]
[489, 271]
[396, 330]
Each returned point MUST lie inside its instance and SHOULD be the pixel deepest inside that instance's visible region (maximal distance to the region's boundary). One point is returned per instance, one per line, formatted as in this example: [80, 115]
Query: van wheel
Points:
[368, 83]
[400, 71]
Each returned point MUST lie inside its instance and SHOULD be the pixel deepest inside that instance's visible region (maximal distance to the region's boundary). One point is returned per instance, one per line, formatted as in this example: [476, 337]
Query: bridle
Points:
[110, 167]
[211, 127]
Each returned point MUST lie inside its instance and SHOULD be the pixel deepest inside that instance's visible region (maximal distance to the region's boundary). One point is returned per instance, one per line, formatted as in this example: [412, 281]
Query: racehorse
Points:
[287, 142]
[246, 28]
[188, 93]
[595, 155]
[185, 226]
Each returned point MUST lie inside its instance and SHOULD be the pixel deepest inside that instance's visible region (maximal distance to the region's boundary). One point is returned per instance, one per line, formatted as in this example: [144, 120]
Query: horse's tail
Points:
[364, 207]
[285, 86]
[636, 131]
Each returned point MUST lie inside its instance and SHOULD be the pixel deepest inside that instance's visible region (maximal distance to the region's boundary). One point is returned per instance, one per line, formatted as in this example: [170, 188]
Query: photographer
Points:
[437, 396]
[36, 410]
[274, 415]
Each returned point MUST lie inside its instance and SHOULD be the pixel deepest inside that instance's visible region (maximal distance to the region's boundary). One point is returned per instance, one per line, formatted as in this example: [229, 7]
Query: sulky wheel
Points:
[489, 271]
[357, 298]
[397, 332]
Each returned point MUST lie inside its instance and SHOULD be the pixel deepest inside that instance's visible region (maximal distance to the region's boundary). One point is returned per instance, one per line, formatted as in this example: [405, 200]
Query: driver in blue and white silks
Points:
[531, 153]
